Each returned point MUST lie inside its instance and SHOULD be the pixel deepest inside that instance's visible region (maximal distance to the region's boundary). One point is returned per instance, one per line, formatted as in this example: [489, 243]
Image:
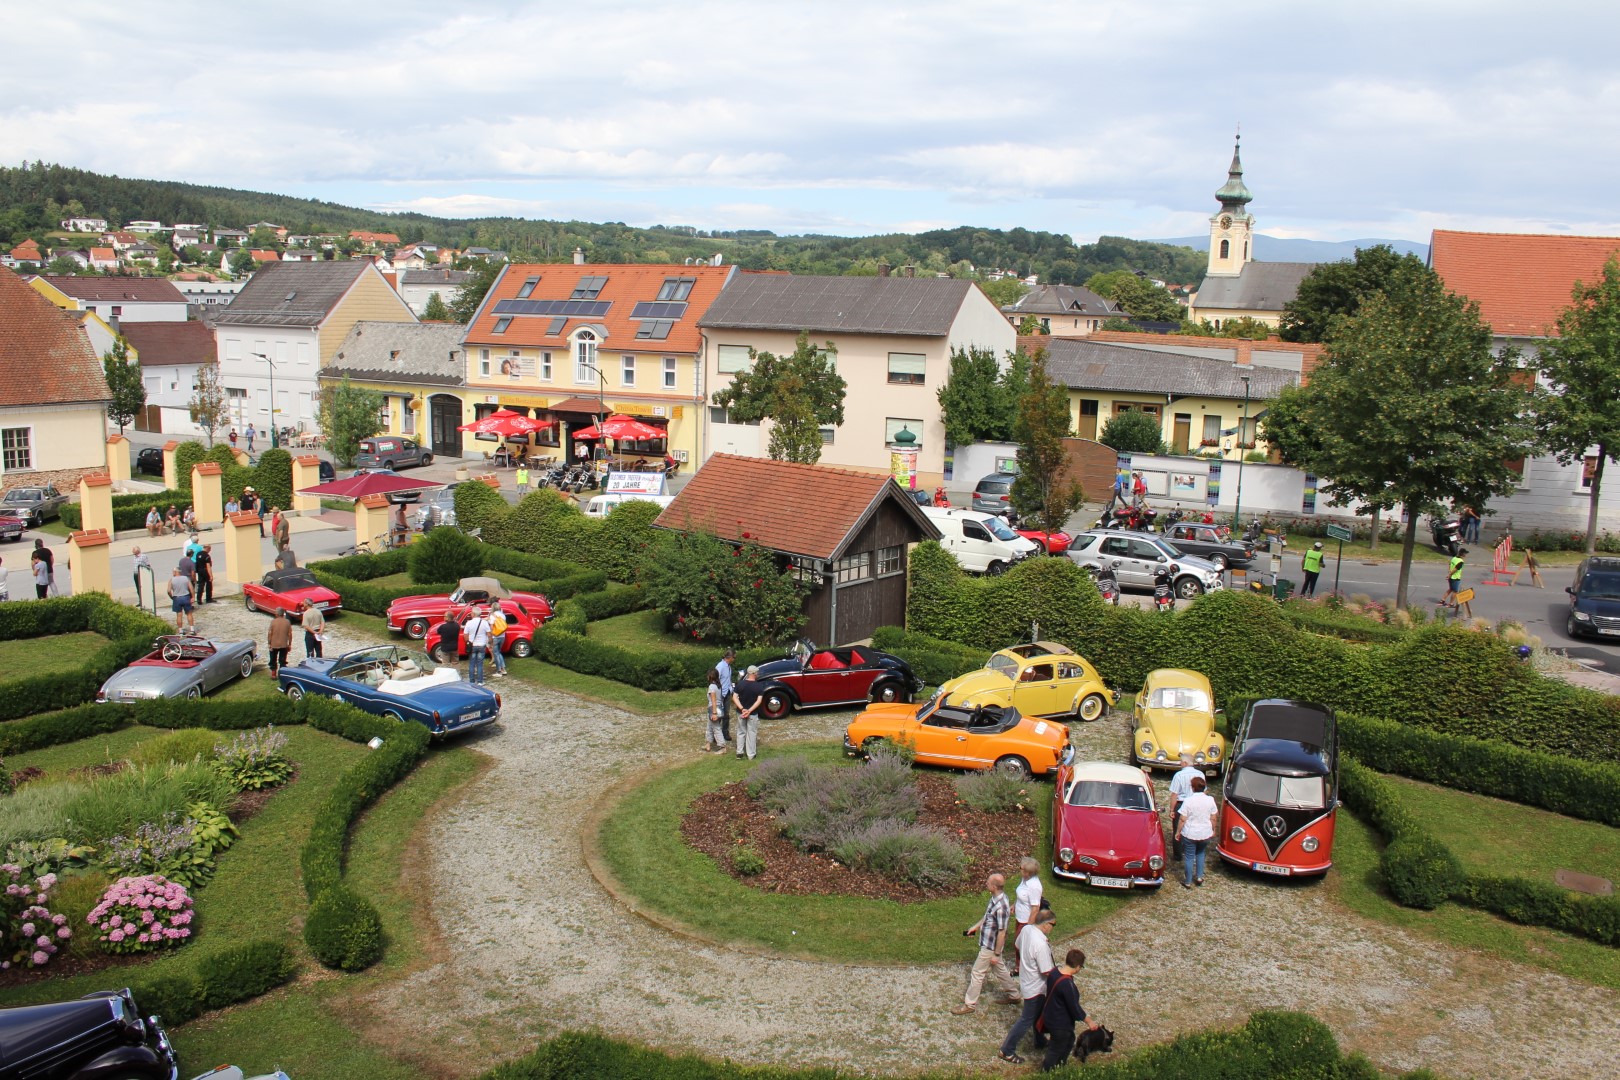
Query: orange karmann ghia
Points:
[964, 736]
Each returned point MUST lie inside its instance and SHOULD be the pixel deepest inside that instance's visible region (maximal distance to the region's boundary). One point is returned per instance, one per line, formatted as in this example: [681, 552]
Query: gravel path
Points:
[531, 944]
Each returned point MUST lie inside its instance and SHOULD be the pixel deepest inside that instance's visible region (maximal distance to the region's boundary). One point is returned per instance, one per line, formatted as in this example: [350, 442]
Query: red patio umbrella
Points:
[506, 422]
[377, 483]
[621, 427]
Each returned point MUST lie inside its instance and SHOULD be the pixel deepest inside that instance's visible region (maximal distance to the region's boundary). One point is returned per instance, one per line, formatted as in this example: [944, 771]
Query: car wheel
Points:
[427, 459]
[416, 629]
[251, 606]
[437, 655]
[522, 647]
[995, 569]
[294, 692]
[1221, 562]
[193, 692]
[1189, 588]
[887, 692]
[777, 704]
[390, 714]
[1013, 765]
[1571, 626]
[388, 466]
[247, 665]
[1092, 706]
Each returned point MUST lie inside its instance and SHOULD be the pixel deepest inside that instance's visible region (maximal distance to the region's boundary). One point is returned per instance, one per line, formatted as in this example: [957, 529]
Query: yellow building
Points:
[418, 368]
[1235, 285]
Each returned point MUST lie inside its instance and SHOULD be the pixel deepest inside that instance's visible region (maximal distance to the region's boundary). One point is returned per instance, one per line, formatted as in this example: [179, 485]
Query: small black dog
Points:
[1090, 1042]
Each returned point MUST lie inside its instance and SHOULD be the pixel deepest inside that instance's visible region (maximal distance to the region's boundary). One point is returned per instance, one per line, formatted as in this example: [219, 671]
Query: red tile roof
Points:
[149, 290]
[627, 285]
[1522, 281]
[263, 256]
[105, 253]
[45, 359]
[810, 510]
[166, 343]
[373, 237]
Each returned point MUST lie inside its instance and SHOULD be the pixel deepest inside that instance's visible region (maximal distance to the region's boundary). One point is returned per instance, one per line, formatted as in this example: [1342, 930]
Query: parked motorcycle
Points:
[1141, 518]
[1107, 582]
[1446, 533]
[1164, 596]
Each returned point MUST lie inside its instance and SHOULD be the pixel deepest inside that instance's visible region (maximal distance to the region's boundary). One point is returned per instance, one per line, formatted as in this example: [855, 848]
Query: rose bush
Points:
[142, 914]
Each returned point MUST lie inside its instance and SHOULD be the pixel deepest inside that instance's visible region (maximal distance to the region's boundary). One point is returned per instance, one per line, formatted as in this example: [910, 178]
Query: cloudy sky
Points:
[1359, 120]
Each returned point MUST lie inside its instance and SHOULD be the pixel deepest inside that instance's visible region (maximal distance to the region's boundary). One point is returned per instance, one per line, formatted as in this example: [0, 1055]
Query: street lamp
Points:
[275, 434]
[1243, 426]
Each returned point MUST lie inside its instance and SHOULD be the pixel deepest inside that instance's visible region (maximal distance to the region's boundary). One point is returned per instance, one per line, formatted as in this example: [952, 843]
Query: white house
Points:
[117, 300]
[209, 293]
[85, 224]
[143, 226]
[416, 286]
[170, 355]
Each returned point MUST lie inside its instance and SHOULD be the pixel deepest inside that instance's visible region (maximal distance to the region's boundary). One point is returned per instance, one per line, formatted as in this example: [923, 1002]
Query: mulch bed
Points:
[720, 821]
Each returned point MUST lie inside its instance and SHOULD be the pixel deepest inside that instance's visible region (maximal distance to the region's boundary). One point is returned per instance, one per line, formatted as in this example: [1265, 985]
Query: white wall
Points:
[135, 311]
[297, 356]
[976, 461]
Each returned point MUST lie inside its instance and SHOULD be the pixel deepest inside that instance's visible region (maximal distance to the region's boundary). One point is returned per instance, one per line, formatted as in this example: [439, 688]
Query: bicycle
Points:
[375, 546]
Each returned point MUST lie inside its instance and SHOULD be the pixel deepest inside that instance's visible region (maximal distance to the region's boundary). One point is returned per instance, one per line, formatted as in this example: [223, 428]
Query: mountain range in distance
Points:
[1282, 249]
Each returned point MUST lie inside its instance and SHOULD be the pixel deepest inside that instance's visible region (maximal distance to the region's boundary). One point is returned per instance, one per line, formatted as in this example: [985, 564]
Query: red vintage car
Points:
[520, 627]
[416, 615]
[813, 678]
[1052, 543]
[1105, 829]
[286, 590]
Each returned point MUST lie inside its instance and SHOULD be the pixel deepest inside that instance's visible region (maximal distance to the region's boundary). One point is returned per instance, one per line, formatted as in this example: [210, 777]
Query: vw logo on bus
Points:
[1274, 827]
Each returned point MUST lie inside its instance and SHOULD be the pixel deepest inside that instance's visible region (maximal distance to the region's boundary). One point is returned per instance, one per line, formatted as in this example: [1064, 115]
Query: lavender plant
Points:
[254, 759]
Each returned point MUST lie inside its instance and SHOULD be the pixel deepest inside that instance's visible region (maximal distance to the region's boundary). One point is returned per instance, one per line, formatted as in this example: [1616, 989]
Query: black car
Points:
[1210, 542]
[327, 472]
[98, 1037]
[812, 678]
[1594, 599]
[149, 460]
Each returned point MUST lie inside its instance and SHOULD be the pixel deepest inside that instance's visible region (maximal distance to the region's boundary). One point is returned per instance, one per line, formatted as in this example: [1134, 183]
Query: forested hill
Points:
[34, 198]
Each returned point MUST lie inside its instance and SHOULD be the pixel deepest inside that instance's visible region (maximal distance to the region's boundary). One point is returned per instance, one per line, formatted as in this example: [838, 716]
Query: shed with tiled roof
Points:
[849, 532]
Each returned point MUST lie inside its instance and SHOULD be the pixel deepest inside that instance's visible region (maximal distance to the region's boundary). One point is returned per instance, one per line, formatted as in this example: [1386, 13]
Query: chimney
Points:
[579, 256]
[910, 271]
[883, 269]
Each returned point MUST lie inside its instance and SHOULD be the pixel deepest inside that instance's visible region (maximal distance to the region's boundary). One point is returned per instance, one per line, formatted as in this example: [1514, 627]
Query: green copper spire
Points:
[1234, 195]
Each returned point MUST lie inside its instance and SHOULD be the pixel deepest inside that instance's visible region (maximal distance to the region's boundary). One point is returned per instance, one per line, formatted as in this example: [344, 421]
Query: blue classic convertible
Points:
[391, 680]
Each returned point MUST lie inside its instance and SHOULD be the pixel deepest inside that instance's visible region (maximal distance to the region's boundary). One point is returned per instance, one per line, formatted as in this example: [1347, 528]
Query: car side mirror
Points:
[1570, 589]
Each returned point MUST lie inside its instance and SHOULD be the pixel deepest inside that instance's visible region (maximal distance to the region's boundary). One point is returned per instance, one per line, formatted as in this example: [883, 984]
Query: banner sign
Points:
[639, 483]
[1310, 494]
[1212, 486]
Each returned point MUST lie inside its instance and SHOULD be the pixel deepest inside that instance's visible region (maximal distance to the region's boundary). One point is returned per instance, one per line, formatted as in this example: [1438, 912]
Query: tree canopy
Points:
[472, 292]
[436, 310]
[979, 402]
[1139, 296]
[1133, 433]
[348, 414]
[1044, 491]
[124, 381]
[800, 394]
[1333, 290]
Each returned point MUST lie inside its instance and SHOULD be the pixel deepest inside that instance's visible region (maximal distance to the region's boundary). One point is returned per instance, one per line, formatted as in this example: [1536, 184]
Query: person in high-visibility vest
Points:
[522, 479]
[1313, 568]
[1454, 580]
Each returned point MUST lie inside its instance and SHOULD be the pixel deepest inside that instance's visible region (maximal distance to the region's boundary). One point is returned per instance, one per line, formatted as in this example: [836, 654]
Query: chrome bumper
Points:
[1084, 878]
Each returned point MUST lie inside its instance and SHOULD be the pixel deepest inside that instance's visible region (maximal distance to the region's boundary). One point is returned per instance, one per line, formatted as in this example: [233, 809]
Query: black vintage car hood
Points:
[1598, 605]
[775, 669]
[34, 1029]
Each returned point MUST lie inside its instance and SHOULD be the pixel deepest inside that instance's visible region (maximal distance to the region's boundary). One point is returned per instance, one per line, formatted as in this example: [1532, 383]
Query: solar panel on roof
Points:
[654, 309]
[594, 309]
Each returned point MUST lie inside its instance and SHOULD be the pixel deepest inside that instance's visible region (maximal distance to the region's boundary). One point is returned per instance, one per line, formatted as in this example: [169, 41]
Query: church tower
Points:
[1231, 228]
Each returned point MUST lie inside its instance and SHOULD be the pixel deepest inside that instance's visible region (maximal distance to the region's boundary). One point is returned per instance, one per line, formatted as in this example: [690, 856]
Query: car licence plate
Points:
[1611, 633]
[1110, 882]
[1267, 868]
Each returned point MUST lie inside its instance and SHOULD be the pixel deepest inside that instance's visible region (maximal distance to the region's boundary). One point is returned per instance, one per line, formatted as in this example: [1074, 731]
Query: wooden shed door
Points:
[150, 418]
[866, 605]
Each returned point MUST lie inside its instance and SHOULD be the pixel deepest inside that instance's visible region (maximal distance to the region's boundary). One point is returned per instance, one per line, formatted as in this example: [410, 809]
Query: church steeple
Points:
[1231, 228]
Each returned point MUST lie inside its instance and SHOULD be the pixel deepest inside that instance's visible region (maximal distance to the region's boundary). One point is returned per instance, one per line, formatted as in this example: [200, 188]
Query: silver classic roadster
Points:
[181, 666]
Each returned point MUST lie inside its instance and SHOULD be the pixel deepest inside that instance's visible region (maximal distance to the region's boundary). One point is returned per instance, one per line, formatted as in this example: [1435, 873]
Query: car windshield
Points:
[376, 665]
[1601, 587]
[1178, 697]
[1004, 665]
[999, 530]
[1298, 792]
[1108, 793]
[23, 495]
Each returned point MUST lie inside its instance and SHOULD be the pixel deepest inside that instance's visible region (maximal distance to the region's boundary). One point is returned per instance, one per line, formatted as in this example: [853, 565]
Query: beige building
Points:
[1235, 285]
[893, 337]
[1064, 310]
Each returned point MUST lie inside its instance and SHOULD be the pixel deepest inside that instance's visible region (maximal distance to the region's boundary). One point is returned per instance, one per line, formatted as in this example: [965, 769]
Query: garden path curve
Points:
[533, 944]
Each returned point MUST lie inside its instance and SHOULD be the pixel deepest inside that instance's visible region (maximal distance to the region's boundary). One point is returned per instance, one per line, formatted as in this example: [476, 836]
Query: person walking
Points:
[497, 640]
[138, 563]
[203, 562]
[448, 634]
[49, 559]
[1181, 787]
[1453, 577]
[1313, 569]
[251, 435]
[1468, 518]
[747, 697]
[992, 931]
[477, 642]
[1195, 825]
[42, 576]
[522, 480]
[314, 628]
[180, 594]
[1034, 961]
[280, 642]
[715, 743]
[280, 528]
[1027, 900]
[1063, 1010]
[726, 687]
[1138, 490]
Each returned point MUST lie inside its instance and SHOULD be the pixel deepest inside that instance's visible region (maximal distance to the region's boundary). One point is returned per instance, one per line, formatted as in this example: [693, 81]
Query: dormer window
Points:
[589, 287]
[501, 324]
[676, 288]
[528, 288]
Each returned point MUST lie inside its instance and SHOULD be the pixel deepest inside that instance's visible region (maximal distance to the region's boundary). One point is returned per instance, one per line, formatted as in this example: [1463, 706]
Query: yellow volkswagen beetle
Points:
[1175, 715]
[1039, 679]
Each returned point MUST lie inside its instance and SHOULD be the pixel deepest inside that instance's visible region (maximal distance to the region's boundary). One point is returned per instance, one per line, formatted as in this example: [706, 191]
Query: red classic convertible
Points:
[416, 615]
[286, 590]
[520, 628]
[817, 678]
[1052, 543]
[1105, 829]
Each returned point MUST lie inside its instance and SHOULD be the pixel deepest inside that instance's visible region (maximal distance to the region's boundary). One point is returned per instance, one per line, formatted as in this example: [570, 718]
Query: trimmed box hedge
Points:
[129, 631]
[223, 978]
[350, 577]
[566, 642]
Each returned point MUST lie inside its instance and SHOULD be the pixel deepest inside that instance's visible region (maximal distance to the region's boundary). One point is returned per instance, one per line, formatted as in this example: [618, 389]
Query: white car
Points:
[1135, 557]
[981, 542]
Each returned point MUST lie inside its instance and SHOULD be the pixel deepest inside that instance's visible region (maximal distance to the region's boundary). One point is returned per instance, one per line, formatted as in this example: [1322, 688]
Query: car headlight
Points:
[1066, 855]
[1147, 746]
[1214, 752]
[1310, 843]
[1155, 862]
[1198, 759]
[1582, 616]
[1238, 834]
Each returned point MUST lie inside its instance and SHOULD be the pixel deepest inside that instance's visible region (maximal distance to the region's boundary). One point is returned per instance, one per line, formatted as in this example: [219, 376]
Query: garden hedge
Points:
[1315, 620]
[129, 632]
[272, 477]
[350, 577]
[344, 930]
[566, 642]
[932, 660]
[219, 979]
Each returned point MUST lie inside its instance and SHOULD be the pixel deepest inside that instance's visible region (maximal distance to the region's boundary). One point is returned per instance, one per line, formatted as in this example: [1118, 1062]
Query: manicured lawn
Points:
[640, 630]
[640, 842]
[22, 657]
[403, 579]
[606, 691]
[1390, 551]
[53, 527]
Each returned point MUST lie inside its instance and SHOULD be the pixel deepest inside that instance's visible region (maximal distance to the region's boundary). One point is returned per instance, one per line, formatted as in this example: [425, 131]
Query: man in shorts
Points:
[180, 599]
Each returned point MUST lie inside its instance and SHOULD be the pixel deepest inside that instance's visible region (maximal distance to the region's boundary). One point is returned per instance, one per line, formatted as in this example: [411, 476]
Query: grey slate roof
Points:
[401, 352]
[1260, 286]
[291, 293]
[924, 307]
[1083, 364]
[435, 276]
[1064, 300]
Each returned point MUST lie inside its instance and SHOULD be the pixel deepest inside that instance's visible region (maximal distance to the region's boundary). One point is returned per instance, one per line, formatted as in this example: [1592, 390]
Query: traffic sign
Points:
[1339, 532]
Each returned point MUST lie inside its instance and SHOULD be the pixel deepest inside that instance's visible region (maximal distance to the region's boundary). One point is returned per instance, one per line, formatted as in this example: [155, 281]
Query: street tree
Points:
[436, 310]
[1335, 289]
[1044, 490]
[349, 413]
[208, 401]
[975, 403]
[1133, 432]
[799, 394]
[124, 383]
[1581, 367]
[472, 292]
[1411, 407]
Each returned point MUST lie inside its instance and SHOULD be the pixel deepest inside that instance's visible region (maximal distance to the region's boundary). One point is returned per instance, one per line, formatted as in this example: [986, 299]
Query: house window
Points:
[730, 359]
[501, 324]
[805, 569]
[1589, 466]
[545, 367]
[585, 357]
[669, 373]
[654, 329]
[627, 368]
[1226, 249]
[17, 448]
[905, 367]
[483, 362]
[1212, 430]
[117, 311]
[894, 424]
[1153, 410]
[827, 435]
[888, 560]
[528, 288]
[853, 568]
[384, 414]
[588, 288]
[676, 288]
[154, 384]
[718, 415]
[407, 416]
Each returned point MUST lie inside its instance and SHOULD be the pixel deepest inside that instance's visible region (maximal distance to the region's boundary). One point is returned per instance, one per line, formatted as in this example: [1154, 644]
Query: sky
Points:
[1083, 117]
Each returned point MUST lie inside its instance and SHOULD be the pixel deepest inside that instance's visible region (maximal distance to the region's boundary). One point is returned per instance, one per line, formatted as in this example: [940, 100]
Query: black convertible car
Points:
[813, 678]
[98, 1037]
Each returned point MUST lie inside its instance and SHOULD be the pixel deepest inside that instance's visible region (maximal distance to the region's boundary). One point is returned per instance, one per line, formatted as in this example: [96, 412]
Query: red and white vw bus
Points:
[1282, 789]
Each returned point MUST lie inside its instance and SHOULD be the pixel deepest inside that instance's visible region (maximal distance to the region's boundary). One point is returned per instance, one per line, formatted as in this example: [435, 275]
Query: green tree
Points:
[1044, 490]
[436, 310]
[714, 590]
[124, 381]
[191, 254]
[1030, 326]
[348, 413]
[1411, 406]
[471, 294]
[974, 402]
[1242, 327]
[165, 259]
[241, 262]
[1334, 290]
[1004, 291]
[1582, 369]
[799, 394]
[1133, 432]
[262, 238]
[1119, 325]
[62, 264]
[208, 404]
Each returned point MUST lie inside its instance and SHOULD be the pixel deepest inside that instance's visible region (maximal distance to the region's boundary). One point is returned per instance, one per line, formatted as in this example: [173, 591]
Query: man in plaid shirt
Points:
[992, 931]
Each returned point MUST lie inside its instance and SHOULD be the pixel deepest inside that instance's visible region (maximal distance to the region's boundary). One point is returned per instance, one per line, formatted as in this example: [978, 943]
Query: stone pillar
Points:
[306, 473]
[207, 492]
[242, 458]
[118, 457]
[171, 472]
[90, 559]
[95, 503]
[243, 559]
[370, 518]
